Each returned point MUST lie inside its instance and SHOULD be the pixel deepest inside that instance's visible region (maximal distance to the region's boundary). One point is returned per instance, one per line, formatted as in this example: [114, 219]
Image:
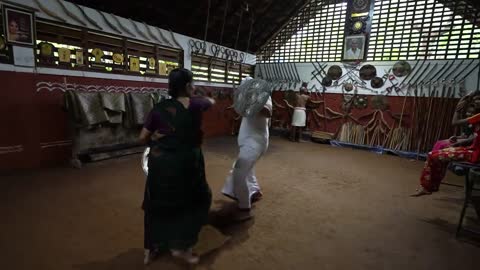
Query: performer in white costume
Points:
[241, 184]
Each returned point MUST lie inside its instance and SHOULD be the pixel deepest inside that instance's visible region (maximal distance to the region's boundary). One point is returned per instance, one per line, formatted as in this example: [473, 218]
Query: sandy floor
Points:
[324, 208]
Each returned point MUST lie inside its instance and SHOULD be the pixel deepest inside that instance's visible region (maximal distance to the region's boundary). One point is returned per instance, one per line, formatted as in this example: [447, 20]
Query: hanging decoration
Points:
[64, 55]
[368, 72]
[118, 61]
[361, 102]
[134, 64]
[151, 65]
[327, 81]
[98, 54]
[79, 57]
[46, 53]
[377, 82]
[162, 70]
[358, 25]
[401, 68]
[334, 72]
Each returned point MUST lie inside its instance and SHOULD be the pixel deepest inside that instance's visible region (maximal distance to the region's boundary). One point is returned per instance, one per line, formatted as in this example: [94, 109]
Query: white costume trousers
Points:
[242, 183]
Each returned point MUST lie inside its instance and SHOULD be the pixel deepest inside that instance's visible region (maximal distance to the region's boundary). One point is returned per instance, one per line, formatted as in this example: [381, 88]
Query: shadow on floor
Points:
[451, 228]
[221, 219]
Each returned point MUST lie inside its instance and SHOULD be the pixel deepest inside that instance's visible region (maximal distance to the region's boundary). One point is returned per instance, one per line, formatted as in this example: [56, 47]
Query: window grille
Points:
[315, 34]
[410, 30]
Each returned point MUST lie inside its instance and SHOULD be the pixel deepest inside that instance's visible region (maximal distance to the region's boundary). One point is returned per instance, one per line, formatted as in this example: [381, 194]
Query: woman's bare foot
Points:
[186, 255]
[420, 192]
[150, 255]
[146, 258]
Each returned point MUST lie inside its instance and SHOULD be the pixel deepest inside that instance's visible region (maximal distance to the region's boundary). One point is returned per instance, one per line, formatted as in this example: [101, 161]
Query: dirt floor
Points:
[324, 208]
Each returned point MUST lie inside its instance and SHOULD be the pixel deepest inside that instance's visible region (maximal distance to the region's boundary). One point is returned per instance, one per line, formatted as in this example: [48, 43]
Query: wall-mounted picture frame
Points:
[354, 48]
[19, 26]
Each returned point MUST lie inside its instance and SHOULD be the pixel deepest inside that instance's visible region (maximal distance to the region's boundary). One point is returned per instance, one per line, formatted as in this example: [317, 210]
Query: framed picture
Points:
[354, 48]
[19, 26]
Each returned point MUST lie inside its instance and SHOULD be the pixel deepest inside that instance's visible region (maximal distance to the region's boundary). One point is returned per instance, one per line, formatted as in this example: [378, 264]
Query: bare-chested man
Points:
[299, 115]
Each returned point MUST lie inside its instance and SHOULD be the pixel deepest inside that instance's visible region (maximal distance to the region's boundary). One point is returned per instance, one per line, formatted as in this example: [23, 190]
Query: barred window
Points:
[315, 34]
[200, 68]
[102, 52]
[415, 29]
[218, 70]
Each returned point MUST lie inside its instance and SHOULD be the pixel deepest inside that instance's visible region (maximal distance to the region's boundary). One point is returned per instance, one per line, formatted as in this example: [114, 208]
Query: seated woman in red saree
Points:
[438, 160]
[466, 110]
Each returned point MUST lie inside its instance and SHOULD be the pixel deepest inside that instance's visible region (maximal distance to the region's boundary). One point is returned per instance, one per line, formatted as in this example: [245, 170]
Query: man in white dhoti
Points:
[241, 184]
[354, 53]
[299, 117]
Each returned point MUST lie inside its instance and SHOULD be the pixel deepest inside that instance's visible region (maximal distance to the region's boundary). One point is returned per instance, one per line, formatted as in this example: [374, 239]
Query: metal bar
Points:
[463, 70]
[224, 20]
[408, 75]
[322, 69]
[238, 29]
[297, 75]
[415, 76]
[250, 34]
[455, 69]
[290, 74]
[466, 75]
[206, 24]
[429, 74]
[440, 71]
[284, 71]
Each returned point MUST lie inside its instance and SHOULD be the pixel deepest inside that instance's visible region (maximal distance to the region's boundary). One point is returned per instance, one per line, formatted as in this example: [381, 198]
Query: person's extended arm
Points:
[267, 109]
[456, 121]
[146, 136]
[464, 142]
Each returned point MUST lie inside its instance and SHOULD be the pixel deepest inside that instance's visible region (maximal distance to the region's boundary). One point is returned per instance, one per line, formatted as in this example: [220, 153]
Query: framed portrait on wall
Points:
[354, 47]
[19, 26]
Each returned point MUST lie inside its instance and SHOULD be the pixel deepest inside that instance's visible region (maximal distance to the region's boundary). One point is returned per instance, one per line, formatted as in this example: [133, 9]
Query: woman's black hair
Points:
[177, 82]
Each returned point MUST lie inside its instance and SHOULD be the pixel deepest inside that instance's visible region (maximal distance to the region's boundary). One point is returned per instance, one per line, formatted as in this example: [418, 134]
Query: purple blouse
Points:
[197, 106]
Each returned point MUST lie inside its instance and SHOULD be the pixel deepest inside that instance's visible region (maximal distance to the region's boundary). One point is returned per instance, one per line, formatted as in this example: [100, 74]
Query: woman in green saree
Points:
[177, 196]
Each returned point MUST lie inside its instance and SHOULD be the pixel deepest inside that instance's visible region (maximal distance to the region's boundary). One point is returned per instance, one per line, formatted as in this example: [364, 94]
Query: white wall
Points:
[305, 72]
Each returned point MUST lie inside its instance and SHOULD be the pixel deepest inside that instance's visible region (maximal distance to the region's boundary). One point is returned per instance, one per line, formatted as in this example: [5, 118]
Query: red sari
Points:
[437, 162]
